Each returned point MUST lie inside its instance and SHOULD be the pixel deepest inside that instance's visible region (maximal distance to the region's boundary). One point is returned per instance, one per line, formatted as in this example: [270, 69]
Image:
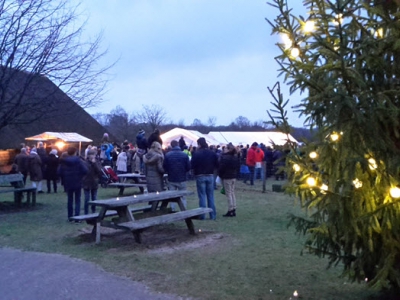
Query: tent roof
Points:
[268, 138]
[64, 136]
[190, 137]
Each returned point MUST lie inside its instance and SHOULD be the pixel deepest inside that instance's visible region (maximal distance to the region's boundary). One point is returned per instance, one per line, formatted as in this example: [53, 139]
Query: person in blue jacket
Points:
[72, 169]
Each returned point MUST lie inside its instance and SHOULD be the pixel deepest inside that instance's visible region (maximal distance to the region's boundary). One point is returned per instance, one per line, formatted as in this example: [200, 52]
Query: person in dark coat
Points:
[154, 170]
[51, 168]
[22, 161]
[228, 169]
[182, 143]
[90, 182]
[154, 137]
[72, 170]
[204, 162]
[176, 165]
[35, 169]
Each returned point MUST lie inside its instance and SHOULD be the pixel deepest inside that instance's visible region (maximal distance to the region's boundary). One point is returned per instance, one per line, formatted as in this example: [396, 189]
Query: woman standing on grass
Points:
[228, 169]
[154, 170]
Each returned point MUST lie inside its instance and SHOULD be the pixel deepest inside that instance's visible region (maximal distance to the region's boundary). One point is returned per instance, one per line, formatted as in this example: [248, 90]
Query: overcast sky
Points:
[194, 58]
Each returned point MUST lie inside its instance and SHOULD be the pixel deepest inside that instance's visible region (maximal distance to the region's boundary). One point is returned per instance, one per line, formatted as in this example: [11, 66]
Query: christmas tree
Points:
[344, 57]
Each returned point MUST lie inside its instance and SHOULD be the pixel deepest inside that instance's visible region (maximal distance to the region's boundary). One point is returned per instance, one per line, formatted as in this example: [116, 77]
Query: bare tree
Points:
[196, 123]
[211, 121]
[242, 122]
[151, 117]
[41, 53]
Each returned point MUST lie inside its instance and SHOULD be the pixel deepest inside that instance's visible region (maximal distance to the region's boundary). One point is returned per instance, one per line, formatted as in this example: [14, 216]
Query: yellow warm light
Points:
[313, 155]
[296, 168]
[334, 137]
[309, 26]
[295, 52]
[372, 164]
[60, 145]
[286, 41]
[324, 188]
[311, 181]
[378, 33]
[357, 183]
[395, 192]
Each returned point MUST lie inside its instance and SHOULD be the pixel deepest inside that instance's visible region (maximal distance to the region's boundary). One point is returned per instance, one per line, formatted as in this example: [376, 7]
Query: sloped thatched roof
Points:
[64, 114]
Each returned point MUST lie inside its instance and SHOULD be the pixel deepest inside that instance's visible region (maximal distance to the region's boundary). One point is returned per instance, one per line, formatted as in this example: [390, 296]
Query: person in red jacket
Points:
[251, 161]
[259, 157]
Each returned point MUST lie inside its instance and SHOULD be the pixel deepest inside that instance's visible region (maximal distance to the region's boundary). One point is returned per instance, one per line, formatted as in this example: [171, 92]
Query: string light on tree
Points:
[338, 19]
[395, 192]
[287, 42]
[357, 183]
[324, 188]
[372, 164]
[334, 137]
[296, 168]
[313, 155]
[311, 181]
[309, 26]
[295, 52]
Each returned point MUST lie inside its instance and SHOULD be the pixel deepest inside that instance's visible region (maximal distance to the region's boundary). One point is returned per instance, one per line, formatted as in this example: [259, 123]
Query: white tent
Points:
[68, 137]
[268, 138]
[190, 137]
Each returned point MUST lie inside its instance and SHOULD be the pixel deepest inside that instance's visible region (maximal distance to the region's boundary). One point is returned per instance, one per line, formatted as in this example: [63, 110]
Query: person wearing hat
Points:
[204, 162]
[154, 137]
[229, 165]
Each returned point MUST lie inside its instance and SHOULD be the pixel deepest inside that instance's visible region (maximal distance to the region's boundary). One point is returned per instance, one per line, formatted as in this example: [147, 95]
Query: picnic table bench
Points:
[123, 185]
[14, 183]
[158, 201]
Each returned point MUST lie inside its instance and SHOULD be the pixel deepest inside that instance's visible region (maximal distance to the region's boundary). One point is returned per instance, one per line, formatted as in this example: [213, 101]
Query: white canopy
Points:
[268, 138]
[64, 136]
[190, 137]
[68, 137]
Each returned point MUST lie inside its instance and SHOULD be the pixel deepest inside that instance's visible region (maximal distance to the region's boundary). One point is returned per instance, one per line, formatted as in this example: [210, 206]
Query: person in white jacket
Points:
[122, 162]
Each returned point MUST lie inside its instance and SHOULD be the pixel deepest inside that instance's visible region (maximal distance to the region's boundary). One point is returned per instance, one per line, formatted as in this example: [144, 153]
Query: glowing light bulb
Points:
[295, 294]
[295, 52]
[287, 42]
[296, 168]
[372, 164]
[324, 188]
[378, 33]
[134, 196]
[334, 137]
[357, 183]
[313, 155]
[395, 192]
[309, 26]
[311, 181]
[199, 230]
[117, 198]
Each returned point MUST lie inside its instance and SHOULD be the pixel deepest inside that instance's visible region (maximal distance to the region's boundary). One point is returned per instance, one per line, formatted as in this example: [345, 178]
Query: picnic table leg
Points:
[18, 198]
[137, 236]
[28, 197]
[34, 198]
[190, 225]
[97, 229]
[121, 191]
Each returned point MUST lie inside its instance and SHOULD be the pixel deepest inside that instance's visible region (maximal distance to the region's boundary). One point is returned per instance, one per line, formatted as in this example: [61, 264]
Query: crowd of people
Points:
[203, 163]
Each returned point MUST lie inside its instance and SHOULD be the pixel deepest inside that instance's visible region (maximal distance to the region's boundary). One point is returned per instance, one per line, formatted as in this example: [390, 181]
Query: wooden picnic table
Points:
[137, 180]
[126, 220]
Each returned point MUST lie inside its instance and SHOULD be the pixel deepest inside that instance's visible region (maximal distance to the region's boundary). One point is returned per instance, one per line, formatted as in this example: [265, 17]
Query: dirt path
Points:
[32, 275]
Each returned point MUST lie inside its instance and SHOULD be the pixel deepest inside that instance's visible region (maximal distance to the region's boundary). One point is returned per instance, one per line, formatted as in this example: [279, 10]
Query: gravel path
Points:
[32, 275]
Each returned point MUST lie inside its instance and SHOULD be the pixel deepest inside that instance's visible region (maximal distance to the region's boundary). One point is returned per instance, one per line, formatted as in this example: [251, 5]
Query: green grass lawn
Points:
[252, 256]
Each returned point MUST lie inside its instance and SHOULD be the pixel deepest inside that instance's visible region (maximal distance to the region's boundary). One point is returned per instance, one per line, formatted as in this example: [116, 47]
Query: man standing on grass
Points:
[176, 165]
[204, 163]
[72, 170]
